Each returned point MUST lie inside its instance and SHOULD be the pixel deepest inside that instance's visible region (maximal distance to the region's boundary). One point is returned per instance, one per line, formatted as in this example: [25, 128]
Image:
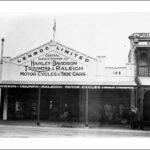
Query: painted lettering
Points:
[64, 63]
[65, 73]
[76, 55]
[19, 61]
[24, 58]
[35, 53]
[66, 51]
[57, 48]
[47, 48]
[37, 63]
[29, 55]
[78, 74]
[86, 60]
[27, 73]
[81, 57]
[41, 50]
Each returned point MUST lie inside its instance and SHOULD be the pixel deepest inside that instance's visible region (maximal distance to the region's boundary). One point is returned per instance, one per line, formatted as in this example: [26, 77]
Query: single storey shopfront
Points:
[45, 82]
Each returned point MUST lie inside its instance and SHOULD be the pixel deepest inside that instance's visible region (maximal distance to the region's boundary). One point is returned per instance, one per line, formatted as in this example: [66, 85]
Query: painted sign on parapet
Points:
[53, 64]
[49, 62]
[49, 47]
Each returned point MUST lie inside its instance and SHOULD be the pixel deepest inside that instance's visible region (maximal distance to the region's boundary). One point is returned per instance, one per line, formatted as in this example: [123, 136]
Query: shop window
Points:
[143, 59]
[19, 110]
[34, 108]
[108, 112]
[50, 105]
[124, 113]
[114, 113]
[144, 62]
[18, 107]
[53, 111]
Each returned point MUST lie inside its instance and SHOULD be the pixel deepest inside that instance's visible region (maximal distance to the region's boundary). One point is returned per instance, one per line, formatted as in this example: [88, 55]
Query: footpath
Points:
[25, 129]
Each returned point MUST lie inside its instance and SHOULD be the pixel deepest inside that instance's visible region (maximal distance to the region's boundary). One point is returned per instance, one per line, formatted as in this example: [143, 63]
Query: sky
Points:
[95, 29]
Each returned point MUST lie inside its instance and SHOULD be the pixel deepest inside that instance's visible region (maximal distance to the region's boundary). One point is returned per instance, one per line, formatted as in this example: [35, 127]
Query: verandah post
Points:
[38, 108]
[86, 108]
[5, 109]
[141, 108]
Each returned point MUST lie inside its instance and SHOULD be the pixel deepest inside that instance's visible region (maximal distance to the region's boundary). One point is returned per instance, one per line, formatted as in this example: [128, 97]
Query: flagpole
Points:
[54, 36]
[2, 49]
[54, 29]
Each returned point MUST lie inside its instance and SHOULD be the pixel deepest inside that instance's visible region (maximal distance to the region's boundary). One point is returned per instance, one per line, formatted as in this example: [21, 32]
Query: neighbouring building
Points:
[42, 83]
[140, 56]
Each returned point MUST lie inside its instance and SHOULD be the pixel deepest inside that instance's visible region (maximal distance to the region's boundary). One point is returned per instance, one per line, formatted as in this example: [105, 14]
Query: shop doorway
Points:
[109, 106]
[60, 105]
[146, 108]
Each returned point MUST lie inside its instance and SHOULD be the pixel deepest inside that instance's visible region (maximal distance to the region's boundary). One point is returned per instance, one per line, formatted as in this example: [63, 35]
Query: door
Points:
[146, 108]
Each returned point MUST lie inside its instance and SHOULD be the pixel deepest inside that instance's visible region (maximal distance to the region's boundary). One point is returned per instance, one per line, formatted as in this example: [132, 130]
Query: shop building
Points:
[50, 79]
[140, 56]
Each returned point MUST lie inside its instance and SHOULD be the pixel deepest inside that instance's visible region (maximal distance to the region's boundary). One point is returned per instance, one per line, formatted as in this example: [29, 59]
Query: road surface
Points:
[15, 131]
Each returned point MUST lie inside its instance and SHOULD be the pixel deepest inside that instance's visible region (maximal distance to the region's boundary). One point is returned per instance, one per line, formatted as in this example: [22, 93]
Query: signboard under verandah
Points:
[67, 86]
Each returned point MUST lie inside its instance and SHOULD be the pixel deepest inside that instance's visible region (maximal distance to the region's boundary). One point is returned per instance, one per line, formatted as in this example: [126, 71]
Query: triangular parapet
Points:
[51, 46]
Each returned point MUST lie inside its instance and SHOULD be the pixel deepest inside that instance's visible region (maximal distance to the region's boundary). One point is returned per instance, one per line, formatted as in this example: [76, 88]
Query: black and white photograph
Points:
[74, 70]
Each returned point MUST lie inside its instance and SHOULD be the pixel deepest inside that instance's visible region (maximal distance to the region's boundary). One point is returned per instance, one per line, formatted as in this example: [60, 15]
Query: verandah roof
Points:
[144, 81]
[85, 81]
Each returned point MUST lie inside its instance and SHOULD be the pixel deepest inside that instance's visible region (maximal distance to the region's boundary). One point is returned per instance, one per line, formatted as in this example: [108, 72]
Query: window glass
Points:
[143, 58]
